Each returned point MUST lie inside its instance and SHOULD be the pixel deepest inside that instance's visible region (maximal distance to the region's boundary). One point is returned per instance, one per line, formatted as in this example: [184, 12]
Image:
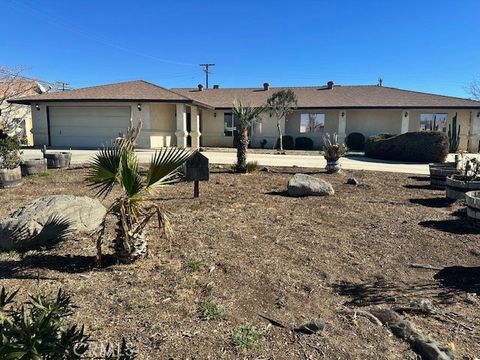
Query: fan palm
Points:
[246, 115]
[134, 208]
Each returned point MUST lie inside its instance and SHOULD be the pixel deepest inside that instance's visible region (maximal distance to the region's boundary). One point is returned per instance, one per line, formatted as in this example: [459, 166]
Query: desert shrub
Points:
[424, 147]
[9, 152]
[303, 143]
[252, 166]
[288, 143]
[332, 149]
[209, 310]
[355, 141]
[245, 337]
[37, 329]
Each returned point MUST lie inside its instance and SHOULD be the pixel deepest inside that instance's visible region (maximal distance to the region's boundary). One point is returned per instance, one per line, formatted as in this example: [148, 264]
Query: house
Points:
[17, 118]
[91, 117]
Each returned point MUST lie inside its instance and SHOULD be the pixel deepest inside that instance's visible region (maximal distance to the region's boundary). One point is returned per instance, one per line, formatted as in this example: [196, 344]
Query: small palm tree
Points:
[134, 208]
[246, 115]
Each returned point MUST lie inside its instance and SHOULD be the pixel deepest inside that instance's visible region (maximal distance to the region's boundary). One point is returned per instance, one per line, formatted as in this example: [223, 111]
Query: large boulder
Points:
[46, 220]
[307, 185]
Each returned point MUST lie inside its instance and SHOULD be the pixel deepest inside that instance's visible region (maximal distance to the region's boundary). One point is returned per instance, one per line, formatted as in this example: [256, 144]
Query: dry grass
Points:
[263, 253]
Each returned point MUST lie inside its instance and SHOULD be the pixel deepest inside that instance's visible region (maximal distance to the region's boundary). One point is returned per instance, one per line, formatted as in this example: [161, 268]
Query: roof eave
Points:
[32, 101]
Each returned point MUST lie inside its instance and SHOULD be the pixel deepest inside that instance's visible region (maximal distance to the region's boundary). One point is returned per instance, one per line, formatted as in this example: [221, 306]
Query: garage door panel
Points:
[87, 126]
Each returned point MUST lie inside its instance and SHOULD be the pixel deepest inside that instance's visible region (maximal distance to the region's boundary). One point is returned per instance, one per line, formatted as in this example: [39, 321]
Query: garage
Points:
[86, 126]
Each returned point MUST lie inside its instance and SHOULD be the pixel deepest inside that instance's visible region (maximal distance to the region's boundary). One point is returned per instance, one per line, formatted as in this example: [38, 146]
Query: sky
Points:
[422, 45]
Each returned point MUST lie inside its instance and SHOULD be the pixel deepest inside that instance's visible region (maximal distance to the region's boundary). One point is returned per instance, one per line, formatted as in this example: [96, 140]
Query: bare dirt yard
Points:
[249, 250]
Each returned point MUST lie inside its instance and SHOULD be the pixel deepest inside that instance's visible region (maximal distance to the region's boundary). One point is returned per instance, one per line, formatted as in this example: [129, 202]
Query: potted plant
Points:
[10, 173]
[333, 151]
[440, 171]
[468, 179]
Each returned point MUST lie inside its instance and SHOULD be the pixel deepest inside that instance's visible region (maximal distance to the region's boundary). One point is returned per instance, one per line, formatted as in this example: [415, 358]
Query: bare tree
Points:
[474, 89]
[14, 85]
[282, 104]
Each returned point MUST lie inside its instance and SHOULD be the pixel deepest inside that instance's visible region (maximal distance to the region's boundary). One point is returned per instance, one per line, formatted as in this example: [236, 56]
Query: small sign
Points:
[197, 170]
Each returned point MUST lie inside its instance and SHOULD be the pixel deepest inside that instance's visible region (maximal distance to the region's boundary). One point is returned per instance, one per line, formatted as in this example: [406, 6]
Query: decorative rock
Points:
[307, 185]
[352, 181]
[30, 226]
[265, 169]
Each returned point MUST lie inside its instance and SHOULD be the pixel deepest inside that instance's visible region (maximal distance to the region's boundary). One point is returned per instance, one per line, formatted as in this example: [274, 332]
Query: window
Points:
[312, 123]
[228, 127]
[434, 122]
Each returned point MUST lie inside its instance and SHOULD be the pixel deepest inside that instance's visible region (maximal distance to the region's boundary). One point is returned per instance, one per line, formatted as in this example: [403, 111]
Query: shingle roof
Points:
[367, 96]
[124, 91]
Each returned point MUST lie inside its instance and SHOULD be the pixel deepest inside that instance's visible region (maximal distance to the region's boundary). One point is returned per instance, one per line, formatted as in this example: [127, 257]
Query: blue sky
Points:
[422, 45]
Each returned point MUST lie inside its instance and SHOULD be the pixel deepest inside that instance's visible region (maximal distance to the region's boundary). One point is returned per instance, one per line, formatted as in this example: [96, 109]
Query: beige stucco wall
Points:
[292, 125]
[162, 125]
[213, 129]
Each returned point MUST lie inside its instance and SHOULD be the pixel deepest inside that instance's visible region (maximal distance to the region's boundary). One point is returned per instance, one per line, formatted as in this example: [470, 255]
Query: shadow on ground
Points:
[419, 187]
[460, 278]
[28, 266]
[462, 225]
[420, 178]
[436, 202]
[381, 292]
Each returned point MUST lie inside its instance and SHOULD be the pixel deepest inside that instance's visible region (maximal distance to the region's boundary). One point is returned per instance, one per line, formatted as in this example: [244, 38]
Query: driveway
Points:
[80, 157]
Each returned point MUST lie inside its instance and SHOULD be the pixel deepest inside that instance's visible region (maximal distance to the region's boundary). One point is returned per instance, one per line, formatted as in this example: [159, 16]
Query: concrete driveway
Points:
[80, 157]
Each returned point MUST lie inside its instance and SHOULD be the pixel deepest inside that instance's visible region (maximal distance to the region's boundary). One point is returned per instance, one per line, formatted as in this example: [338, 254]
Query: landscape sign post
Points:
[197, 169]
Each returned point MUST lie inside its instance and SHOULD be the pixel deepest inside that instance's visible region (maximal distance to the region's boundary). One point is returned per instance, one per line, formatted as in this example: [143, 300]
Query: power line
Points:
[207, 72]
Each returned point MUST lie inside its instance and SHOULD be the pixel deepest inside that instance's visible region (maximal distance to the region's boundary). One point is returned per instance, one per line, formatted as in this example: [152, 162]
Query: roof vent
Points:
[266, 86]
[216, 86]
[200, 87]
[330, 85]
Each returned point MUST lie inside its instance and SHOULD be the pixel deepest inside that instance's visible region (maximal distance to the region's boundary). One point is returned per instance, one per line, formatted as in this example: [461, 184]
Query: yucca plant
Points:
[134, 208]
[332, 149]
[246, 114]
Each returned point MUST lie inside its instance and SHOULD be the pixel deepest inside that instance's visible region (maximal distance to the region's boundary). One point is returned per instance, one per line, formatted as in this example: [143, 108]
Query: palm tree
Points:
[246, 115]
[134, 208]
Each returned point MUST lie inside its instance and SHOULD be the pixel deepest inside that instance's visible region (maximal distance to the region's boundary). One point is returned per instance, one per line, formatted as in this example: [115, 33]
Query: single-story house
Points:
[93, 116]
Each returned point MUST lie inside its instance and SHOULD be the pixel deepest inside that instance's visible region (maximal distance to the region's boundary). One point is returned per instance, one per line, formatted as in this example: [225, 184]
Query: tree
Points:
[134, 208]
[281, 104]
[474, 89]
[14, 85]
[246, 115]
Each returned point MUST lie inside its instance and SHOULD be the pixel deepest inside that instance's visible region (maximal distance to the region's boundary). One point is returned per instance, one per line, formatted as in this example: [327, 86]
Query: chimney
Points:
[216, 86]
[266, 86]
[330, 85]
[200, 87]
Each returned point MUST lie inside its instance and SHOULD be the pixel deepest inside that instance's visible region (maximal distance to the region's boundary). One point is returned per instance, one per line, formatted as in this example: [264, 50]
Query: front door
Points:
[189, 128]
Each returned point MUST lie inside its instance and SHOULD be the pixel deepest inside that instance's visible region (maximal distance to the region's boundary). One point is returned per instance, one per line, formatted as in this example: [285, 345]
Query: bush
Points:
[303, 143]
[9, 152]
[37, 330]
[355, 141]
[288, 143]
[424, 147]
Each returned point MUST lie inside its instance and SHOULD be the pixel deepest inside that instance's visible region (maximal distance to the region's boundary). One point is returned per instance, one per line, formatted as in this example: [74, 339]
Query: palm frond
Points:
[163, 165]
[246, 113]
[129, 176]
[104, 169]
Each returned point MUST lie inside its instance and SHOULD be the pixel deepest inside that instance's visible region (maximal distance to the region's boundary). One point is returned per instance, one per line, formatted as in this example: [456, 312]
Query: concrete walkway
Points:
[310, 161]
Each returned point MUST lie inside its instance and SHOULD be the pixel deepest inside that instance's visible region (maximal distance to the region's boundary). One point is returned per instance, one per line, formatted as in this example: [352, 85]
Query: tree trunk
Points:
[280, 136]
[128, 251]
[242, 150]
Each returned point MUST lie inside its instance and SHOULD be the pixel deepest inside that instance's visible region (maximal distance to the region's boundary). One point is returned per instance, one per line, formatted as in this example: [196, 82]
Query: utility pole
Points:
[380, 82]
[206, 67]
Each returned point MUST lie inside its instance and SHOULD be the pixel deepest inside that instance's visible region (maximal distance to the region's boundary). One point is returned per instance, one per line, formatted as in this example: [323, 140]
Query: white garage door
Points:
[87, 126]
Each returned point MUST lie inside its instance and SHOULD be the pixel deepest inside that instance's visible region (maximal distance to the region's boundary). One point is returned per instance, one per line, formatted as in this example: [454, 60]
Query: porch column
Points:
[405, 121]
[342, 125]
[195, 127]
[181, 132]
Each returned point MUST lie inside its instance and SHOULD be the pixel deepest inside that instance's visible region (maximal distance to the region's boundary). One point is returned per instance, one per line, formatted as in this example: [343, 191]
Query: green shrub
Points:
[355, 141]
[9, 152]
[37, 330]
[209, 310]
[245, 337]
[424, 147]
[303, 143]
[288, 143]
[252, 166]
